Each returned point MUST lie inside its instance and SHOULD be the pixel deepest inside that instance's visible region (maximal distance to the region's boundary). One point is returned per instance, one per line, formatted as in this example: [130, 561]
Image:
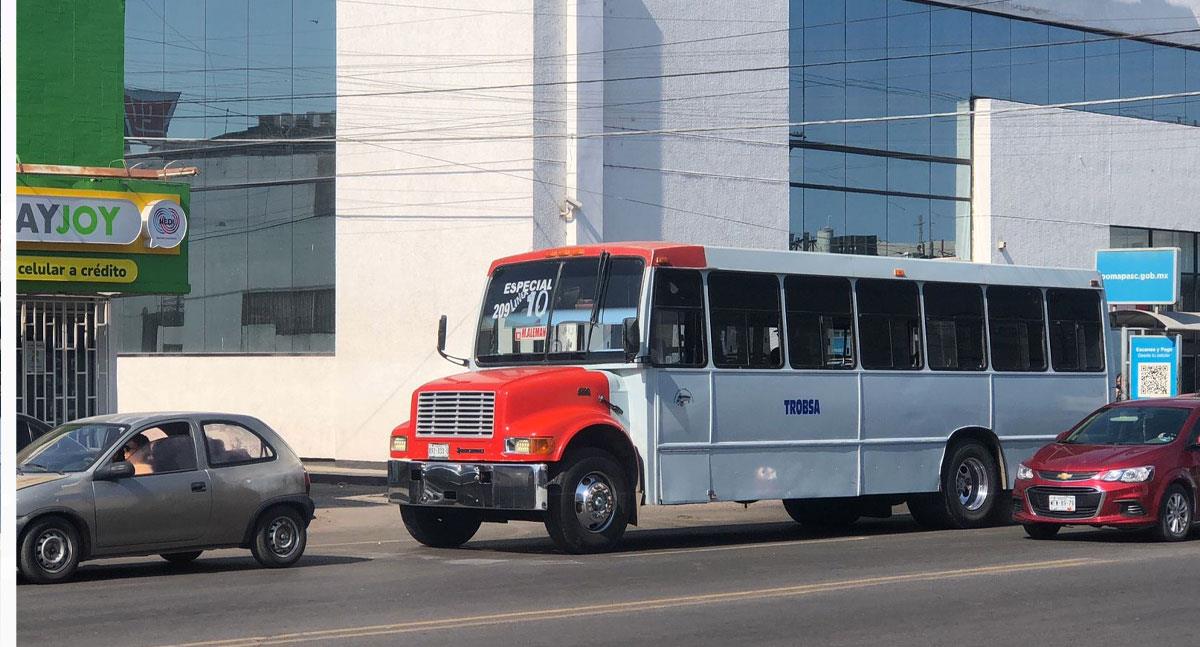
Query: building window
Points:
[245, 91]
[903, 187]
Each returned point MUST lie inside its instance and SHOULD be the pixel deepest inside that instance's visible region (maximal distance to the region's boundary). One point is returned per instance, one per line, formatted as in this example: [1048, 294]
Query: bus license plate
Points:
[1062, 503]
[442, 450]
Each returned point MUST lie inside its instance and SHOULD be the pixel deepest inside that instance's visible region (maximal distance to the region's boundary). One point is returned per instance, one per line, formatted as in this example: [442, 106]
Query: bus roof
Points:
[818, 263]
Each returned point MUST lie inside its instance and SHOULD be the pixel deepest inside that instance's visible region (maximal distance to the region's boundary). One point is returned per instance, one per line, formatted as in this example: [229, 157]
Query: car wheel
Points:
[49, 551]
[1041, 530]
[590, 509]
[834, 514]
[182, 558]
[441, 527]
[279, 538]
[1174, 514]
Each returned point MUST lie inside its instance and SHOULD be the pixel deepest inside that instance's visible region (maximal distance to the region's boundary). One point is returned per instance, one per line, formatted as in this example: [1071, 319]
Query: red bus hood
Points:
[533, 401]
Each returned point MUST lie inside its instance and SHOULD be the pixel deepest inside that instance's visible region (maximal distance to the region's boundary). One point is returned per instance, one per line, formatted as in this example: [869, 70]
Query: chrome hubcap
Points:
[594, 503]
[971, 482]
[53, 551]
[283, 536]
[1178, 514]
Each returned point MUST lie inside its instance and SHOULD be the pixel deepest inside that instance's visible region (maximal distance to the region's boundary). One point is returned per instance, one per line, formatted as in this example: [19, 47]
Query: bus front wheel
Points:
[589, 510]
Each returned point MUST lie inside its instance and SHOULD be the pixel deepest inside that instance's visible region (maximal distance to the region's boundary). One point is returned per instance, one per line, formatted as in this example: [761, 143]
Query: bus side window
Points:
[677, 319]
[819, 322]
[889, 324]
[745, 314]
[954, 327]
[1016, 324]
[1075, 331]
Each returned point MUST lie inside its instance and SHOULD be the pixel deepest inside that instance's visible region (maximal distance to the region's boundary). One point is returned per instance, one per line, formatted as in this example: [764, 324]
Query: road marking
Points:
[652, 604]
[357, 543]
[709, 549]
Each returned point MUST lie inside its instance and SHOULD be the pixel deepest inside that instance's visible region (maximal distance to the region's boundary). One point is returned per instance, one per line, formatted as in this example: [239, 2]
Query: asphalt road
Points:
[694, 575]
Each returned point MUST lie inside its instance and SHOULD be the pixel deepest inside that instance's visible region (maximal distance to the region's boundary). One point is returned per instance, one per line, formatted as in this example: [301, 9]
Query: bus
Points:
[607, 377]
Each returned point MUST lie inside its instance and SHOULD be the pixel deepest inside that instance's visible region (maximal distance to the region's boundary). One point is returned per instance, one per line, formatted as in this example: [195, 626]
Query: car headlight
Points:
[529, 445]
[1129, 475]
[1023, 472]
[400, 444]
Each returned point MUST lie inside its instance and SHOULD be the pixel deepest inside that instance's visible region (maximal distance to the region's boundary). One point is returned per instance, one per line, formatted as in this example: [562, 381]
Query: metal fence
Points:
[63, 358]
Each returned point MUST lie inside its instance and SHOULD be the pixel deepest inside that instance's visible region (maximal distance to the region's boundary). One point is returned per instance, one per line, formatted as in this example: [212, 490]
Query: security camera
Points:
[567, 212]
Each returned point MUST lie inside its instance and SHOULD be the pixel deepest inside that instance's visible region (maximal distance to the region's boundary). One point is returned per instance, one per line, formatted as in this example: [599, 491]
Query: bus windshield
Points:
[558, 310]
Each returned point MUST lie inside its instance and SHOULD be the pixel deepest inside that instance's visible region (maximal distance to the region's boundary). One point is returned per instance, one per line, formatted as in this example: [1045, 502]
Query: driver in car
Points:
[136, 449]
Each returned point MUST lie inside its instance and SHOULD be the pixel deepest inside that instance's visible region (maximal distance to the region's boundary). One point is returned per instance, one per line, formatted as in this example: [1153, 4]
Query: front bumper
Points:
[494, 486]
[1120, 504]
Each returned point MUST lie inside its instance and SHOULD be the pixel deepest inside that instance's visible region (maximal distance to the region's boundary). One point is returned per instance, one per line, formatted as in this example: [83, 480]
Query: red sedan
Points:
[1132, 464]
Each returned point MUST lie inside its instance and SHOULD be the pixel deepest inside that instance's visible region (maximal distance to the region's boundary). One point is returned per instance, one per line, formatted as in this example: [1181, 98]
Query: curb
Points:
[326, 473]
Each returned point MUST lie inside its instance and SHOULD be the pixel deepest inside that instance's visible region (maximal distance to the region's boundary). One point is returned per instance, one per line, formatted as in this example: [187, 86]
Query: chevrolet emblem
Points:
[1065, 476]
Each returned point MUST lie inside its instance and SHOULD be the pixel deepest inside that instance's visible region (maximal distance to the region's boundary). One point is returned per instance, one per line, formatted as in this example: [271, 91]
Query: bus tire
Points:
[590, 509]
[928, 510]
[971, 485]
[829, 514]
[440, 527]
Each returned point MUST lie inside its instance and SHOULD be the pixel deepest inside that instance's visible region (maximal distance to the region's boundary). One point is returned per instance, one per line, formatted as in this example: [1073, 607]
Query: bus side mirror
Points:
[631, 335]
[441, 344]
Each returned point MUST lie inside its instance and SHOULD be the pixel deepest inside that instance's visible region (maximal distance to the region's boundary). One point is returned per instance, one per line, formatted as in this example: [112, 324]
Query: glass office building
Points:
[903, 187]
[226, 85]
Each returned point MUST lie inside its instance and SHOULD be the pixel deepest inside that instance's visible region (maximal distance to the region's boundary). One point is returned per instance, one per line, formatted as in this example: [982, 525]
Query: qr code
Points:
[1154, 380]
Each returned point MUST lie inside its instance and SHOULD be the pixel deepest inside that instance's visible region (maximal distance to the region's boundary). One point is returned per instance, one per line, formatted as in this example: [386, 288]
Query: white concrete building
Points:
[470, 132]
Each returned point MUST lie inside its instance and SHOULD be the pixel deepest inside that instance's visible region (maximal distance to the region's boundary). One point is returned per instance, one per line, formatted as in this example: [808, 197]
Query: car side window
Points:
[229, 443]
[168, 447]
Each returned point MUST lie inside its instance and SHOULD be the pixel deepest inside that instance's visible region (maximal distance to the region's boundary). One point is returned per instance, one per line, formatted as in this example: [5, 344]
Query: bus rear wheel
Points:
[590, 509]
[830, 514]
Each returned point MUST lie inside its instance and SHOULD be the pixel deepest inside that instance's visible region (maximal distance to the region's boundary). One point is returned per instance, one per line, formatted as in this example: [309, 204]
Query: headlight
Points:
[529, 445]
[1023, 472]
[400, 444]
[1130, 475]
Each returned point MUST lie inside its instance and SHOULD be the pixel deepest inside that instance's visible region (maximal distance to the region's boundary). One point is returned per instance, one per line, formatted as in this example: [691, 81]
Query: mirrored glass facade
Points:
[243, 90]
[903, 187]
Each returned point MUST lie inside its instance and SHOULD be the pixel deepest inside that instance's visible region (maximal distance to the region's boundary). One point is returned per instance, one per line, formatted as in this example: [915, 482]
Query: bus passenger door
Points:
[682, 410]
[682, 387]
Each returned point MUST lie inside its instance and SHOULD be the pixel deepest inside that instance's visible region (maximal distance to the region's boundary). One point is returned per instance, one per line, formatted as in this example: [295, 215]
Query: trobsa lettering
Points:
[802, 407]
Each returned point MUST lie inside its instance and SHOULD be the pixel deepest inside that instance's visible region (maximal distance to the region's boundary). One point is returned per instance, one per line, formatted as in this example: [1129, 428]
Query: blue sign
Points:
[1140, 276]
[1153, 367]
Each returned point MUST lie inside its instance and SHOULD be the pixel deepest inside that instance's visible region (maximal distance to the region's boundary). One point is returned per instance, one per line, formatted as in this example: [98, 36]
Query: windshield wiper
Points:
[41, 468]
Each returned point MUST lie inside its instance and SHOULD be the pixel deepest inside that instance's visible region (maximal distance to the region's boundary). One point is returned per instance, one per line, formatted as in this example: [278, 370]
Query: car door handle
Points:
[199, 486]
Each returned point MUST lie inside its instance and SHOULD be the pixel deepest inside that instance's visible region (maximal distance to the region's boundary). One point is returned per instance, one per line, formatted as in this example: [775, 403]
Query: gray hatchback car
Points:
[172, 484]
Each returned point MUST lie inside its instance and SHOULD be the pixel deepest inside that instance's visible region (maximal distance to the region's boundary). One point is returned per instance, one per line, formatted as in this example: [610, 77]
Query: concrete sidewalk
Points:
[351, 472]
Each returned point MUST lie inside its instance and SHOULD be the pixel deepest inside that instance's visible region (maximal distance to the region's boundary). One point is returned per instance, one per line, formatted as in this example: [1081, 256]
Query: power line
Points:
[671, 75]
[698, 129]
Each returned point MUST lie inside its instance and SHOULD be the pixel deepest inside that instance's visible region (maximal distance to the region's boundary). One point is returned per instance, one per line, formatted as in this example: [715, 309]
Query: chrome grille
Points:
[456, 413]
